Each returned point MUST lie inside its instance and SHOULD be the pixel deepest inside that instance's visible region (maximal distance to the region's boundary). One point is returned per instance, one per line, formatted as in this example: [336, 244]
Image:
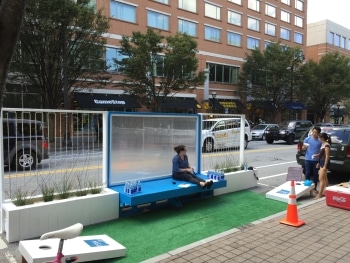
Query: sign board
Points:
[294, 174]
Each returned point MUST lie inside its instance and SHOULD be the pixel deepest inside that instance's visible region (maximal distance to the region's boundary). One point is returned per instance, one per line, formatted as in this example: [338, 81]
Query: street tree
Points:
[11, 15]
[269, 77]
[156, 68]
[60, 48]
[325, 83]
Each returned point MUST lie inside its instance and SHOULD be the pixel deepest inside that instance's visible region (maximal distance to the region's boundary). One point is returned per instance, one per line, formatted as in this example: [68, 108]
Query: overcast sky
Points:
[337, 11]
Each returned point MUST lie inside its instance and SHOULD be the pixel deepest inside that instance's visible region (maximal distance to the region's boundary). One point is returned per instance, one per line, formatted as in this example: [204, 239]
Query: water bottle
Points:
[245, 166]
[138, 186]
[349, 185]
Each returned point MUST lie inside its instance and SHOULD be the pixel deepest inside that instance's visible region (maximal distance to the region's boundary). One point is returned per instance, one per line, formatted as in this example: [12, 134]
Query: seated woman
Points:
[183, 171]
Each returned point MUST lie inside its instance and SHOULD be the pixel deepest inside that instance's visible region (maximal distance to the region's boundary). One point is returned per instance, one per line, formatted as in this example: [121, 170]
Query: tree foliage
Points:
[60, 47]
[325, 83]
[155, 70]
[272, 75]
[11, 15]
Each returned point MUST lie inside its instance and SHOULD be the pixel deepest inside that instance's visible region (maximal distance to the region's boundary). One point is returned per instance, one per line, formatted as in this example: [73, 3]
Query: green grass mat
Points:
[157, 232]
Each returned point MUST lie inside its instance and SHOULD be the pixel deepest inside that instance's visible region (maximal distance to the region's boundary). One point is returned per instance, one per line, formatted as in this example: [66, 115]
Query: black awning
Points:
[295, 105]
[98, 100]
[215, 103]
[180, 103]
[262, 104]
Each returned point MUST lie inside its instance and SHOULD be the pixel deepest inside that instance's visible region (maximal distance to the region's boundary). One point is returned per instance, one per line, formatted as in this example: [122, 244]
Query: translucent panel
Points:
[136, 138]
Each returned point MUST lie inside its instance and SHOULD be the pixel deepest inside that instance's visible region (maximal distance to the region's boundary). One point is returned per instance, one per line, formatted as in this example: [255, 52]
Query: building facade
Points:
[225, 30]
[325, 37]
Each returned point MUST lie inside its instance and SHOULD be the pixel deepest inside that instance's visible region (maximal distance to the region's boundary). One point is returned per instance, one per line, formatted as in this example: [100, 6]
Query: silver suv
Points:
[24, 143]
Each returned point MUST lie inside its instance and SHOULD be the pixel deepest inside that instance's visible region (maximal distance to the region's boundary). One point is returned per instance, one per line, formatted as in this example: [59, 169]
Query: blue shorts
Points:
[322, 163]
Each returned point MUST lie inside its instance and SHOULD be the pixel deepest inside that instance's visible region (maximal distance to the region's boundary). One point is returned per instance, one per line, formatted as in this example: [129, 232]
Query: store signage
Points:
[104, 102]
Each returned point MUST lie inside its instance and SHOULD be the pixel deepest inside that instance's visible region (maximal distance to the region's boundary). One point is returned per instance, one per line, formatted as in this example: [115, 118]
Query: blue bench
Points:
[161, 191]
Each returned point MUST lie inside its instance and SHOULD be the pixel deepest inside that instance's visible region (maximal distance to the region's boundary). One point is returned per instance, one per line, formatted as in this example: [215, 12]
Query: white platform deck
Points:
[282, 192]
[86, 248]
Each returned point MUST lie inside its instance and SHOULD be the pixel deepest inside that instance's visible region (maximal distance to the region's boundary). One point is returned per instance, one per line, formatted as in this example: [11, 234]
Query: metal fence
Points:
[67, 150]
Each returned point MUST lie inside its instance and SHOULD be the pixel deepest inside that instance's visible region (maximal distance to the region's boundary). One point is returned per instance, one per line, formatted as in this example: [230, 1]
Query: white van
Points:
[223, 133]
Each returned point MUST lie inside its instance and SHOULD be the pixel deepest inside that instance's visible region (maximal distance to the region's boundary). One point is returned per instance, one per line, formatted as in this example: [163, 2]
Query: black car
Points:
[288, 131]
[340, 148]
[24, 143]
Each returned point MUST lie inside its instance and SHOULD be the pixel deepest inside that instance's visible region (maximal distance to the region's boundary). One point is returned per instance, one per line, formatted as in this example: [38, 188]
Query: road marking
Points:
[275, 164]
[53, 171]
[275, 175]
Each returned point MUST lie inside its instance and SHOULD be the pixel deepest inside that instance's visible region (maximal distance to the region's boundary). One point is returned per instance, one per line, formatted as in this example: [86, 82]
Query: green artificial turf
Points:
[157, 232]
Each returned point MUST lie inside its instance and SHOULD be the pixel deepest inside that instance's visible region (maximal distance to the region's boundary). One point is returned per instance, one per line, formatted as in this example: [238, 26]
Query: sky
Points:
[334, 10]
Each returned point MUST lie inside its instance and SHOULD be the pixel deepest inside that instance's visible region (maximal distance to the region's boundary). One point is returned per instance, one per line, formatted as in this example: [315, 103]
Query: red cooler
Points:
[338, 196]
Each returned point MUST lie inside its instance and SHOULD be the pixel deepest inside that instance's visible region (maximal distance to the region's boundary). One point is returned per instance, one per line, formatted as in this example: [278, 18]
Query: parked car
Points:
[340, 148]
[24, 143]
[221, 133]
[288, 131]
[324, 124]
[258, 131]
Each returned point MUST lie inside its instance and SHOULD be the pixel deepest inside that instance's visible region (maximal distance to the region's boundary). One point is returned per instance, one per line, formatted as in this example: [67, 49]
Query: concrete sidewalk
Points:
[325, 237]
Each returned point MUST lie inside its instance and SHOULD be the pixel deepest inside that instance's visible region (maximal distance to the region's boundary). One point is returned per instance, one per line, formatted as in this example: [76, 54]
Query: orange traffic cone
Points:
[292, 210]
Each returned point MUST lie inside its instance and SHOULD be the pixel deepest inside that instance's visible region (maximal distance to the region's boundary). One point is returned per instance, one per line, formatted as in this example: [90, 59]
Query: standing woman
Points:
[183, 171]
[323, 162]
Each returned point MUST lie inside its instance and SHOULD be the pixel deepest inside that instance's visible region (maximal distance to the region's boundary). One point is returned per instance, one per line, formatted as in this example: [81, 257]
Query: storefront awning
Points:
[296, 105]
[228, 104]
[180, 103]
[98, 100]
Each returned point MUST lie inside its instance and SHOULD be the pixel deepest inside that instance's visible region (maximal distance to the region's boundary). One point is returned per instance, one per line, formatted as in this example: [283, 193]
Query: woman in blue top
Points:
[183, 171]
[323, 161]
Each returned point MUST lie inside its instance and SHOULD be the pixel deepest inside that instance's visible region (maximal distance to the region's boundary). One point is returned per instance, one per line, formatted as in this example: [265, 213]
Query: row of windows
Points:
[338, 40]
[191, 5]
[127, 12]
[217, 73]
[159, 20]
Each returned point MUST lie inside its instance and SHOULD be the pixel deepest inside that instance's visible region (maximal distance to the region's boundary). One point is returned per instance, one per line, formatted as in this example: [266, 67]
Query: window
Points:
[212, 34]
[234, 18]
[337, 40]
[266, 44]
[163, 1]
[299, 5]
[238, 2]
[331, 38]
[252, 43]
[253, 24]
[285, 33]
[158, 67]
[287, 2]
[188, 27]
[270, 29]
[123, 11]
[157, 20]
[342, 42]
[113, 54]
[298, 21]
[189, 5]
[234, 39]
[223, 73]
[254, 5]
[285, 16]
[270, 10]
[298, 38]
[212, 11]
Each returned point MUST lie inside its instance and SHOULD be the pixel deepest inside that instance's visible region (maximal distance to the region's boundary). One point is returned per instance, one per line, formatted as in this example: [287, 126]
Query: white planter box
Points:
[31, 221]
[237, 181]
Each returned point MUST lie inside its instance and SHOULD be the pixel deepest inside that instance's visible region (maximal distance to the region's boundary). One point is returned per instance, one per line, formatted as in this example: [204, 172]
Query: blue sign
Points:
[96, 243]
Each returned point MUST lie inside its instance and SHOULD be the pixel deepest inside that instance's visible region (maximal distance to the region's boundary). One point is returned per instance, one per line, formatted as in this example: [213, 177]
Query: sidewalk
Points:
[324, 238]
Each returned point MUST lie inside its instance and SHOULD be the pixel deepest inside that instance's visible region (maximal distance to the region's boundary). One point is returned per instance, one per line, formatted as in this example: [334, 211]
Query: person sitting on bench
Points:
[183, 171]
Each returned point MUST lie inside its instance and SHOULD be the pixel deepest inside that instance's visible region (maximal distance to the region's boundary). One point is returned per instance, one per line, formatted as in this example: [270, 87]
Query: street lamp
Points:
[213, 94]
[338, 113]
